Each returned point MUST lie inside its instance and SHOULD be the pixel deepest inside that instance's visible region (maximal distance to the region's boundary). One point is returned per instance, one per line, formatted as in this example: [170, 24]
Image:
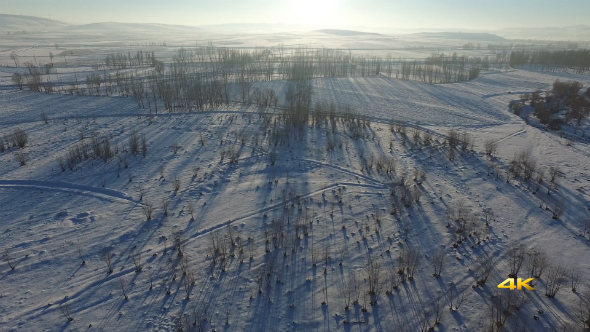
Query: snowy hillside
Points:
[28, 23]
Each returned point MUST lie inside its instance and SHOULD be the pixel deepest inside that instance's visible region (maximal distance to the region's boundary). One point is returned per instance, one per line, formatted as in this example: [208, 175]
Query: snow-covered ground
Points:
[53, 220]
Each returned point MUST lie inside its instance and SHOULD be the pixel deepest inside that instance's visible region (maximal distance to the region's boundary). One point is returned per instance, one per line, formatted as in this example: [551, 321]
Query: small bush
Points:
[453, 138]
[19, 138]
[134, 143]
[490, 147]
[175, 147]
[148, 210]
[176, 184]
[165, 205]
[21, 158]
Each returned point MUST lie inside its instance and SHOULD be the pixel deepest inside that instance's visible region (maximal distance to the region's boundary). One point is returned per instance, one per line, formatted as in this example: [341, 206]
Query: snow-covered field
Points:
[324, 212]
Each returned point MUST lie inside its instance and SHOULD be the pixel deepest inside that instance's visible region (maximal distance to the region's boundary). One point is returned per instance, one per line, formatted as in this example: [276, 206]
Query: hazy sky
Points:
[466, 14]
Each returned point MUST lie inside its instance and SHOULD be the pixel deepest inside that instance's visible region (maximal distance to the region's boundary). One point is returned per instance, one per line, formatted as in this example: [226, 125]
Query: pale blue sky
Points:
[466, 14]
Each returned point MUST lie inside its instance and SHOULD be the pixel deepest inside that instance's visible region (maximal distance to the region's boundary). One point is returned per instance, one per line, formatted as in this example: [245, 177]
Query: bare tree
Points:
[165, 204]
[557, 208]
[188, 282]
[134, 142]
[80, 251]
[574, 276]
[490, 147]
[66, 311]
[553, 173]
[516, 256]
[18, 80]
[161, 170]
[539, 179]
[536, 263]
[555, 279]
[7, 256]
[411, 260]
[437, 311]
[393, 280]
[148, 210]
[455, 297]
[488, 214]
[175, 147]
[176, 185]
[124, 286]
[346, 291]
[438, 260]
[179, 243]
[483, 269]
[14, 57]
[500, 311]
[107, 257]
[373, 271]
[191, 209]
[136, 258]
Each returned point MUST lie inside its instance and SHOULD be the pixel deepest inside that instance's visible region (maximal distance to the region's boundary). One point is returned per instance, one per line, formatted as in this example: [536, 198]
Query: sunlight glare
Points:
[312, 12]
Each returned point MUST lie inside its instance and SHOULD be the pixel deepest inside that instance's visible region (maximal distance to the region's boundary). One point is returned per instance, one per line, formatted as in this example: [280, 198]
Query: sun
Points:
[312, 12]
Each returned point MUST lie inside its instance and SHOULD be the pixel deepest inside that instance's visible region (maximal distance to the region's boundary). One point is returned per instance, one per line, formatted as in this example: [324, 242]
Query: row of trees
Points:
[441, 68]
[576, 61]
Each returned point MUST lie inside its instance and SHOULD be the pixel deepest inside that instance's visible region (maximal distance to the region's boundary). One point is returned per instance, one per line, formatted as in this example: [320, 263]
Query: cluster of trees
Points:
[563, 96]
[576, 61]
[97, 149]
[100, 148]
[442, 68]
[205, 77]
[125, 61]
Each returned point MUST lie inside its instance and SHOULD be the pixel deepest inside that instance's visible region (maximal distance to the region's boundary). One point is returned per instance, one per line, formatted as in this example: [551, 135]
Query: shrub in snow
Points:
[107, 257]
[148, 210]
[165, 205]
[66, 311]
[19, 138]
[452, 138]
[134, 142]
[7, 256]
[21, 158]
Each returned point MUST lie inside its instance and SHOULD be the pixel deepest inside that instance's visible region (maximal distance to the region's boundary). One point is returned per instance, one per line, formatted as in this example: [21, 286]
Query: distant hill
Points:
[339, 32]
[28, 23]
[573, 33]
[467, 36]
[109, 27]
[254, 27]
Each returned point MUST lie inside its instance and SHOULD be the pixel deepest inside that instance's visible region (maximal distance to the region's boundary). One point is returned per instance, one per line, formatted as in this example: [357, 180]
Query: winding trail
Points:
[100, 193]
